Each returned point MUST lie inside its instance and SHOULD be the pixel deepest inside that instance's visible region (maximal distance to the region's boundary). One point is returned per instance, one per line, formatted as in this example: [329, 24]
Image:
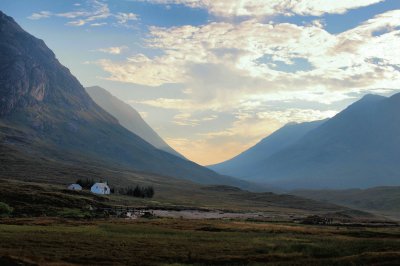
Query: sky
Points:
[214, 77]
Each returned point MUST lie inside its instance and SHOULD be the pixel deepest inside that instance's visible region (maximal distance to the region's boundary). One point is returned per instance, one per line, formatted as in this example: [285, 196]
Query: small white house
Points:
[100, 188]
[75, 187]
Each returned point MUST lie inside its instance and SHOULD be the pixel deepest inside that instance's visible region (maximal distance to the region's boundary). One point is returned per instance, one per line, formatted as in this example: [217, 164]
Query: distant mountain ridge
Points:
[245, 163]
[358, 148]
[45, 112]
[128, 117]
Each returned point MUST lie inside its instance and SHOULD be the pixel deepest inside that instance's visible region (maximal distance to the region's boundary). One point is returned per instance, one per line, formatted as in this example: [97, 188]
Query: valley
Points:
[324, 191]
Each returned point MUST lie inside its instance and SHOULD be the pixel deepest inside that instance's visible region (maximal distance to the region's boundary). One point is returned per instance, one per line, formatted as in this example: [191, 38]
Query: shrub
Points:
[5, 210]
[138, 192]
[86, 184]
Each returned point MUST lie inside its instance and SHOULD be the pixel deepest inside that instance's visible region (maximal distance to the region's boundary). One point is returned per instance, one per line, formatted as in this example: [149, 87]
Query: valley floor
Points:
[167, 241]
[50, 225]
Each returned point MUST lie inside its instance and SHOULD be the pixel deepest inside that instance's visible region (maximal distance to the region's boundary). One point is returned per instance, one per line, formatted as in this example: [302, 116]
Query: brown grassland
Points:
[51, 241]
[50, 225]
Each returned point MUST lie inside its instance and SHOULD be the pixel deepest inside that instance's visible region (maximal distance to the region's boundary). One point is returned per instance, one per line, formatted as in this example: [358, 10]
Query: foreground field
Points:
[198, 242]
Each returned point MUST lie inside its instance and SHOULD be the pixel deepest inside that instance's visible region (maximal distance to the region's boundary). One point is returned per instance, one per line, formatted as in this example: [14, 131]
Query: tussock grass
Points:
[185, 242]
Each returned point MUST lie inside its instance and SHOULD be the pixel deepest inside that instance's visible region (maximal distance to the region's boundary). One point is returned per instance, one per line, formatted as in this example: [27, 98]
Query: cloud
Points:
[221, 64]
[254, 125]
[91, 12]
[124, 18]
[115, 50]
[320, 7]
[143, 70]
[262, 8]
[98, 11]
[76, 23]
[40, 15]
[187, 119]
[98, 24]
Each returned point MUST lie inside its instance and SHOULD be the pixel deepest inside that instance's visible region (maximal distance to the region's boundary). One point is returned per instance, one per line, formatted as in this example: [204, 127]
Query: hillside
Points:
[128, 118]
[32, 199]
[382, 200]
[248, 161]
[358, 148]
[46, 112]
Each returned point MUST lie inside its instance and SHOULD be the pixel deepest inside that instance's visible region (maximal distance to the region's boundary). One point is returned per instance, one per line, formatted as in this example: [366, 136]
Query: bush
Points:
[5, 210]
[86, 184]
[138, 192]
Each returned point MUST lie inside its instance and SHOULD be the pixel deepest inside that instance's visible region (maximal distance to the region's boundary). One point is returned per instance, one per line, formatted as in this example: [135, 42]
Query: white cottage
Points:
[75, 187]
[100, 188]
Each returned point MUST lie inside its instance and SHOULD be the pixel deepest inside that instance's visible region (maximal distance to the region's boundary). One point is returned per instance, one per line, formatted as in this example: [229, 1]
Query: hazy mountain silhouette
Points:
[46, 112]
[128, 117]
[359, 147]
[244, 164]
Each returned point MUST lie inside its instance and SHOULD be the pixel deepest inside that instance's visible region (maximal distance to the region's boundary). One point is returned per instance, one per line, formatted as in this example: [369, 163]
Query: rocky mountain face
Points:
[129, 118]
[45, 112]
[30, 73]
[358, 148]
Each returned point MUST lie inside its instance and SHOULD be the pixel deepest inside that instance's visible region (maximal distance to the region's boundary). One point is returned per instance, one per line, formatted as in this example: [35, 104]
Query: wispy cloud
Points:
[92, 12]
[125, 18]
[187, 119]
[98, 24]
[113, 50]
[262, 8]
[40, 15]
[76, 23]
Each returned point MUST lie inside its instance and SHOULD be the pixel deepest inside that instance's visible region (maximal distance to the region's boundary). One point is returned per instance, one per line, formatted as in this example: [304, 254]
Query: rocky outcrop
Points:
[30, 73]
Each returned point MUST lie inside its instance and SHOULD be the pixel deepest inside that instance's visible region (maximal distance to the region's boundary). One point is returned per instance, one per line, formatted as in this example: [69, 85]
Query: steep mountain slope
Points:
[245, 163]
[128, 118]
[359, 147]
[45, 112]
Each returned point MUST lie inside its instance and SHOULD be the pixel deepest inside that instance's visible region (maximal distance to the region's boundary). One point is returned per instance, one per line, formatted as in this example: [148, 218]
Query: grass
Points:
[195, 242]
[380, 200]
[169, 192]
[79, 236]
[30, 199]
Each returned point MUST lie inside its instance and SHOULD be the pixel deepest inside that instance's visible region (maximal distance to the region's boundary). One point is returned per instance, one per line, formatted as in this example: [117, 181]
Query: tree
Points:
[138, 191]
[86, 184]
[5, 210]
[149, 192]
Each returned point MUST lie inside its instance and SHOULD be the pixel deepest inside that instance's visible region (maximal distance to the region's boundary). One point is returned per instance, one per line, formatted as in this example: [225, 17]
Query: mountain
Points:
[46, 113]
[245, 163]
[128, 118]
[358, 148]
